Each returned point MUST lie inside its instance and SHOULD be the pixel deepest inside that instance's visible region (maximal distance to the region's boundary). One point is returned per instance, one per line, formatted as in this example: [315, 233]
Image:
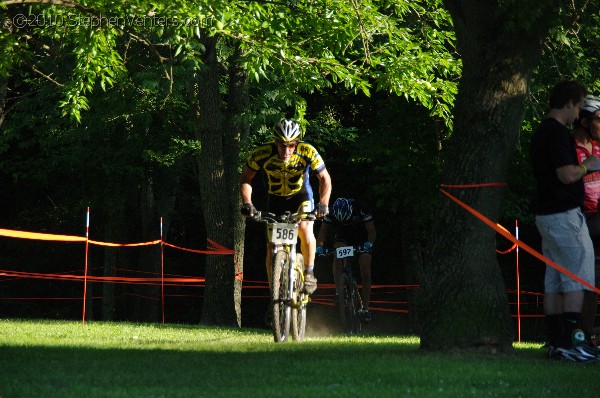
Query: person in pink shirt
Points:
[587, 137]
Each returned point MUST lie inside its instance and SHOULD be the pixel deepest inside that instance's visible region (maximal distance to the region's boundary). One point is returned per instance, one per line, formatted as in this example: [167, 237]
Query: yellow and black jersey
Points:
[287, 178]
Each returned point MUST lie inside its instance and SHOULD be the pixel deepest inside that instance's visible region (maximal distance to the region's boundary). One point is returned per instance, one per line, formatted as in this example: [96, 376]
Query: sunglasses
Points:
[287, 144]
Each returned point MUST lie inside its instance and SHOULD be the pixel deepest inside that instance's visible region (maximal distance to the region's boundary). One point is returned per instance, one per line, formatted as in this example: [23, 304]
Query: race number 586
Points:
[285, 234]
[282, 235]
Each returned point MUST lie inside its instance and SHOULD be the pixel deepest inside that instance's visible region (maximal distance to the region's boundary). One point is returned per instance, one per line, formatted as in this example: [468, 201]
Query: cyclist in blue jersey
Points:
[354, 226]
[287, 163]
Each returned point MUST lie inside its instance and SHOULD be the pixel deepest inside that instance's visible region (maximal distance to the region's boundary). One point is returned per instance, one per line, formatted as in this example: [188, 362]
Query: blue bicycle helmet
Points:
[342, 209]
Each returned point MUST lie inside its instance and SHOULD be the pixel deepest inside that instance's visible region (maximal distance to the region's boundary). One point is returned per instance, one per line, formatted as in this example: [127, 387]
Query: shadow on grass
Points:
[375, 366]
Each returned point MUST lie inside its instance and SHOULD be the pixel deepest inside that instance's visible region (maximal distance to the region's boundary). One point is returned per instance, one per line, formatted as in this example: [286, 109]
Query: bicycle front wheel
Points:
[281, 299]
[299, 301]
[348, 304]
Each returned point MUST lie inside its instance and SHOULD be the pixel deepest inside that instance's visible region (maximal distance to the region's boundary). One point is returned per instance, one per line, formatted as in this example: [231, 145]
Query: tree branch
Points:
[91, 12]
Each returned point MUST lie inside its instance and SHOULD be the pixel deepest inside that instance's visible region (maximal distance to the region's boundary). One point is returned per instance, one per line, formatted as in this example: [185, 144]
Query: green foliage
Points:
[569, 53]
[140, 128]
[406, 48]
[176, 150]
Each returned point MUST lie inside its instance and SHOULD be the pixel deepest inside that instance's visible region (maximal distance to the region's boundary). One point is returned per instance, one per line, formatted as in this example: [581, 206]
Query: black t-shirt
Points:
[552, 147]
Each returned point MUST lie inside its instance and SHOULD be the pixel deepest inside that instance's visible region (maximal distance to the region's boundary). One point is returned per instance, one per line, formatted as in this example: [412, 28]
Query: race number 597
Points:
[344, 251]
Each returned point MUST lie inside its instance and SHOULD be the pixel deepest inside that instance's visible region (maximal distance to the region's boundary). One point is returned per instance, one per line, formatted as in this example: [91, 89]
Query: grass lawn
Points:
[62, 359]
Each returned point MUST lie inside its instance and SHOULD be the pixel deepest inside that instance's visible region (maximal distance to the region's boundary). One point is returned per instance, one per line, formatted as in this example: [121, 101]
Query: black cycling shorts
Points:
[301, 202]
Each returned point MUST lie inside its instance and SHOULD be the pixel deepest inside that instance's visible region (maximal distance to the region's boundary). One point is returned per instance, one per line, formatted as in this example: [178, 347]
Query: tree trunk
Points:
[218, 307]
[149, 261]
[110, 264]
[236, 103]
[3, 89]
[463, 302]
[412, 259]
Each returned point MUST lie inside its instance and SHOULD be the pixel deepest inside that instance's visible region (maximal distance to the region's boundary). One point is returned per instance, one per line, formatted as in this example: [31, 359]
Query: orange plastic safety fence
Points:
[216, 249]
[91, 278]
[486, 184]
[98, 243]
[513, 247]
[521, 244]
[209, 251]
[40, 236]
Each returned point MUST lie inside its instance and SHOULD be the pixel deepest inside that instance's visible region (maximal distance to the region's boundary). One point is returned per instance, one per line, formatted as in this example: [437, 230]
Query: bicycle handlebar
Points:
[287, 217]
[357, 249]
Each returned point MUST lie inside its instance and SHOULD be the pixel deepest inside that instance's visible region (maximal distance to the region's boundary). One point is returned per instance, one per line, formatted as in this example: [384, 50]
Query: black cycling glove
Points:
[248, 210]
[321, 210]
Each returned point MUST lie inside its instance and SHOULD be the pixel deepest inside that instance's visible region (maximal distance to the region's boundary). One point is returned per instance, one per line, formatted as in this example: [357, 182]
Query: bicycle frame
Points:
[288, 299]
[350, 301]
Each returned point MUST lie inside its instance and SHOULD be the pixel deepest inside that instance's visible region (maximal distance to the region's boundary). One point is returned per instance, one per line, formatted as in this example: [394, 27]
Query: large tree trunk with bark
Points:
[3, 89]
[234, 130]
[149, 300]
[219, 306]
[463, 302]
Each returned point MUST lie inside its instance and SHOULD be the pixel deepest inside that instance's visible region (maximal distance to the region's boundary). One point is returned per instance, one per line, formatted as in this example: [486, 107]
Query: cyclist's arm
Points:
[324, 186]
[371, 232]
[246, 184]
[322, 234]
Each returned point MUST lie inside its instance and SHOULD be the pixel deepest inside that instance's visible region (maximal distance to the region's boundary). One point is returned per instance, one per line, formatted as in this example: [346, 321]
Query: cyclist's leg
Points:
[356, 235]
[337, 263]
[276, 205]
[269, 264]
[365, 272]
[308, 241]
[308, 245]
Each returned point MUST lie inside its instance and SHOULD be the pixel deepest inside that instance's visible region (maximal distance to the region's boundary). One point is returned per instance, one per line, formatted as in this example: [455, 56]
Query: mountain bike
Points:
[288, 298]
[349, 301]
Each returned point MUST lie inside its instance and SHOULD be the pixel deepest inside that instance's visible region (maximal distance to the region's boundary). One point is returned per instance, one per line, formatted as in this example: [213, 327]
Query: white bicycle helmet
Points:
[287, 130]
[342, 209]
[591, 105]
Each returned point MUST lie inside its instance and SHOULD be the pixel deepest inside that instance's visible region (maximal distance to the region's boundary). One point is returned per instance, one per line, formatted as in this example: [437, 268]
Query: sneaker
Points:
[591, 342]
[365, 316]
[310, 282]
[580, 353]
[553, 352]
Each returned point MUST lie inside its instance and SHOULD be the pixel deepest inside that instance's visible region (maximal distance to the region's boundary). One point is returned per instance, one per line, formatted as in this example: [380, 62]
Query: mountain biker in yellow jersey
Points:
[354, 226]
[287, 162]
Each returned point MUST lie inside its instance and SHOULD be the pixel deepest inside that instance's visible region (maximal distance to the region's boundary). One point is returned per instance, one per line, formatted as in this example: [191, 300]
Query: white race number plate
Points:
[284, 235]
[344, 251]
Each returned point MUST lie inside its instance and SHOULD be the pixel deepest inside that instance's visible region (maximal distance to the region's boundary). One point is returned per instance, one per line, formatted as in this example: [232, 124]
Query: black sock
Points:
[554, 323]
[571, 322]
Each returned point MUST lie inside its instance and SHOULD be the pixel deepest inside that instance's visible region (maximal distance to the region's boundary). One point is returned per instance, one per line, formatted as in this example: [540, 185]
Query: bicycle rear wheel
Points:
[348, 304]
[281, 299]
[298, 304]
